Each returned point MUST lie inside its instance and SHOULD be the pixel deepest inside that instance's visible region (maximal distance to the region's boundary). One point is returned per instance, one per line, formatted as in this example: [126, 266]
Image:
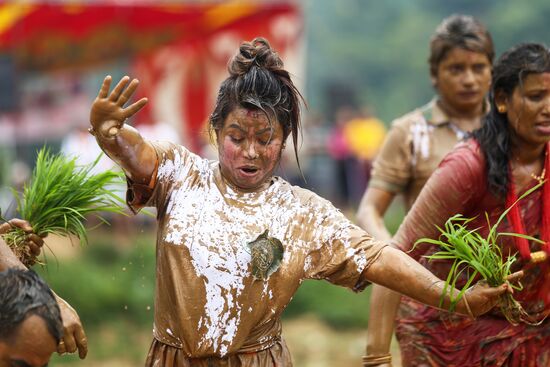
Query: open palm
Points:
[108, 111]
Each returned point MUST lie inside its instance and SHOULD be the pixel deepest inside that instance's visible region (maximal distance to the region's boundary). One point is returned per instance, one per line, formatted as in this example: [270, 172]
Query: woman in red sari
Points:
[486, 174]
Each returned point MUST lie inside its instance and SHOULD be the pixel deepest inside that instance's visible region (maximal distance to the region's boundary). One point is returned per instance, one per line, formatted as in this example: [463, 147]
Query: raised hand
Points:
[108, 113]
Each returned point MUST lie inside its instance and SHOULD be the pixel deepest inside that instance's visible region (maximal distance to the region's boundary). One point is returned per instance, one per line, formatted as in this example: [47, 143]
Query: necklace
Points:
[514, 215]
[539, 178]
[515, 219]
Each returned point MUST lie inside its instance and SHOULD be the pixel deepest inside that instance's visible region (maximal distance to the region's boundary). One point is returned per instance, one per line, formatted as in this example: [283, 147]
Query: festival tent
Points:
[179, 51]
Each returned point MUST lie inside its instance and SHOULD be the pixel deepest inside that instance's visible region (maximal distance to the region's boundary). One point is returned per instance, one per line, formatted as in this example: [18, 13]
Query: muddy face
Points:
[528, 109]
[249, 148]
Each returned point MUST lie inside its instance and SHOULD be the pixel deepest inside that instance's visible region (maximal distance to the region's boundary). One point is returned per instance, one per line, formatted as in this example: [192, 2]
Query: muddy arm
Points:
[398, 271]
[121, 142]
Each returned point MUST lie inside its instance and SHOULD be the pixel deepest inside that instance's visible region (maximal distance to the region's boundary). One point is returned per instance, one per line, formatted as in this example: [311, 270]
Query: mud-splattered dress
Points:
[431, 337]
[209, 308]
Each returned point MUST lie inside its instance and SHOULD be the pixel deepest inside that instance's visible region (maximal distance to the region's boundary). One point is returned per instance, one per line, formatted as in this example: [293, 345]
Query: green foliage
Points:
[60, 195]
[477, 255]
[337, 306]
[470, 253]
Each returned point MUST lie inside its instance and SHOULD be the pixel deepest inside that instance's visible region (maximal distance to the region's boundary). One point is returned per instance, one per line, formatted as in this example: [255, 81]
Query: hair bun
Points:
[258, 53]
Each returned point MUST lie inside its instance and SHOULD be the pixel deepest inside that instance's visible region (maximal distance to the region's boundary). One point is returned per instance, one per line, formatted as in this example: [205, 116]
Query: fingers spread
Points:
[104, 91]
[134, 107]
[127, 94]
[117, 90]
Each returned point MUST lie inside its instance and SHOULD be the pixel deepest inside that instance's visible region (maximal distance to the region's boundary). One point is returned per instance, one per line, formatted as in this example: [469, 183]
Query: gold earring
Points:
[501, 109]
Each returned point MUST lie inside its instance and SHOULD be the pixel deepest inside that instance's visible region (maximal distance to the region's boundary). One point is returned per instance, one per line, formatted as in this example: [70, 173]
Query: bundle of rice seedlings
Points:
[479, 256]
[59, 197]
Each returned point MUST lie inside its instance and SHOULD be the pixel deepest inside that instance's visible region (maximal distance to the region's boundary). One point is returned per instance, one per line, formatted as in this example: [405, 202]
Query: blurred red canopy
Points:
[179, 51]
[45, 36]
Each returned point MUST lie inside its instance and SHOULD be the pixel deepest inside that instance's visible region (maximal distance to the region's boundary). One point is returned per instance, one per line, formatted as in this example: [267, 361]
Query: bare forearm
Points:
[383, 308]
[127, 148]
[399, 272]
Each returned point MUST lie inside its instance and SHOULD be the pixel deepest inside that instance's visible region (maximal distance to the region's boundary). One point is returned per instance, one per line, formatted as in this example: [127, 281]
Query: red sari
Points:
[429, 337]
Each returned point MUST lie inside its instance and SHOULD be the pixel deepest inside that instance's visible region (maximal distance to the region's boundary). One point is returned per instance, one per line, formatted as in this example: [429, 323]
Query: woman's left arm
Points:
[398, 271]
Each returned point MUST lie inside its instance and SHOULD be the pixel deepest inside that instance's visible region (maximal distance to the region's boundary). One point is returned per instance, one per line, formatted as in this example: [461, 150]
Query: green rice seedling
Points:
[59, 197]
[477, 256]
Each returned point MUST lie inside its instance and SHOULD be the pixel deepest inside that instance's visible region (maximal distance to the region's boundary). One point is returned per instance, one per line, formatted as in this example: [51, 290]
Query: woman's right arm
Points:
[121, 142]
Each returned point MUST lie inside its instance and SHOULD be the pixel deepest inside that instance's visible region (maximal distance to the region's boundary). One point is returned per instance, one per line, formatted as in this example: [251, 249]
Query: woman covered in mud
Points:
[234, 242]
[506, 157]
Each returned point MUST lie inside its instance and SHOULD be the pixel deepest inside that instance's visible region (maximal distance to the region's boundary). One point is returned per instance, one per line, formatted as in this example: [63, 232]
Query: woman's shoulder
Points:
[305, 197]
[174, 158]
[467, 152]
[465, 163]
[420, 115]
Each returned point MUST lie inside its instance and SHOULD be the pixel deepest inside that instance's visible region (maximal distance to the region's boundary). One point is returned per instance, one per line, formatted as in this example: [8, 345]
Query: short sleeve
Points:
[173, 162]
[342, 252]
[391, 170]
[454, 188]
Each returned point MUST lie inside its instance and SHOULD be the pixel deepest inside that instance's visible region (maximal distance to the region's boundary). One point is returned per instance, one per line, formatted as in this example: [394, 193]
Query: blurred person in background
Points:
[30, 320]
[364, 135]
[461, 54]
[318, 167]
[235, 242]
[339, 150]
[72, 337]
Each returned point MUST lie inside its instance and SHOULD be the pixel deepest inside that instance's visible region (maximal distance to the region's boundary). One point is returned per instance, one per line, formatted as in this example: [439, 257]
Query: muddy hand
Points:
[108, 113]
[33, 241]
[514, 277]
[74, 337]
[481, 298]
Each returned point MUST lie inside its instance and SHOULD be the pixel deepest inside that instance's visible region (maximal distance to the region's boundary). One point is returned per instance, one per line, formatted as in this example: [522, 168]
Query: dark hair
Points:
[463, 31]
[509, 72]
[22, 294]
[257, 80]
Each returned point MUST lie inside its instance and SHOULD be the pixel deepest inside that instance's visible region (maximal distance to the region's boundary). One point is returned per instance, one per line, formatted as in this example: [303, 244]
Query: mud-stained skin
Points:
[121, 142]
